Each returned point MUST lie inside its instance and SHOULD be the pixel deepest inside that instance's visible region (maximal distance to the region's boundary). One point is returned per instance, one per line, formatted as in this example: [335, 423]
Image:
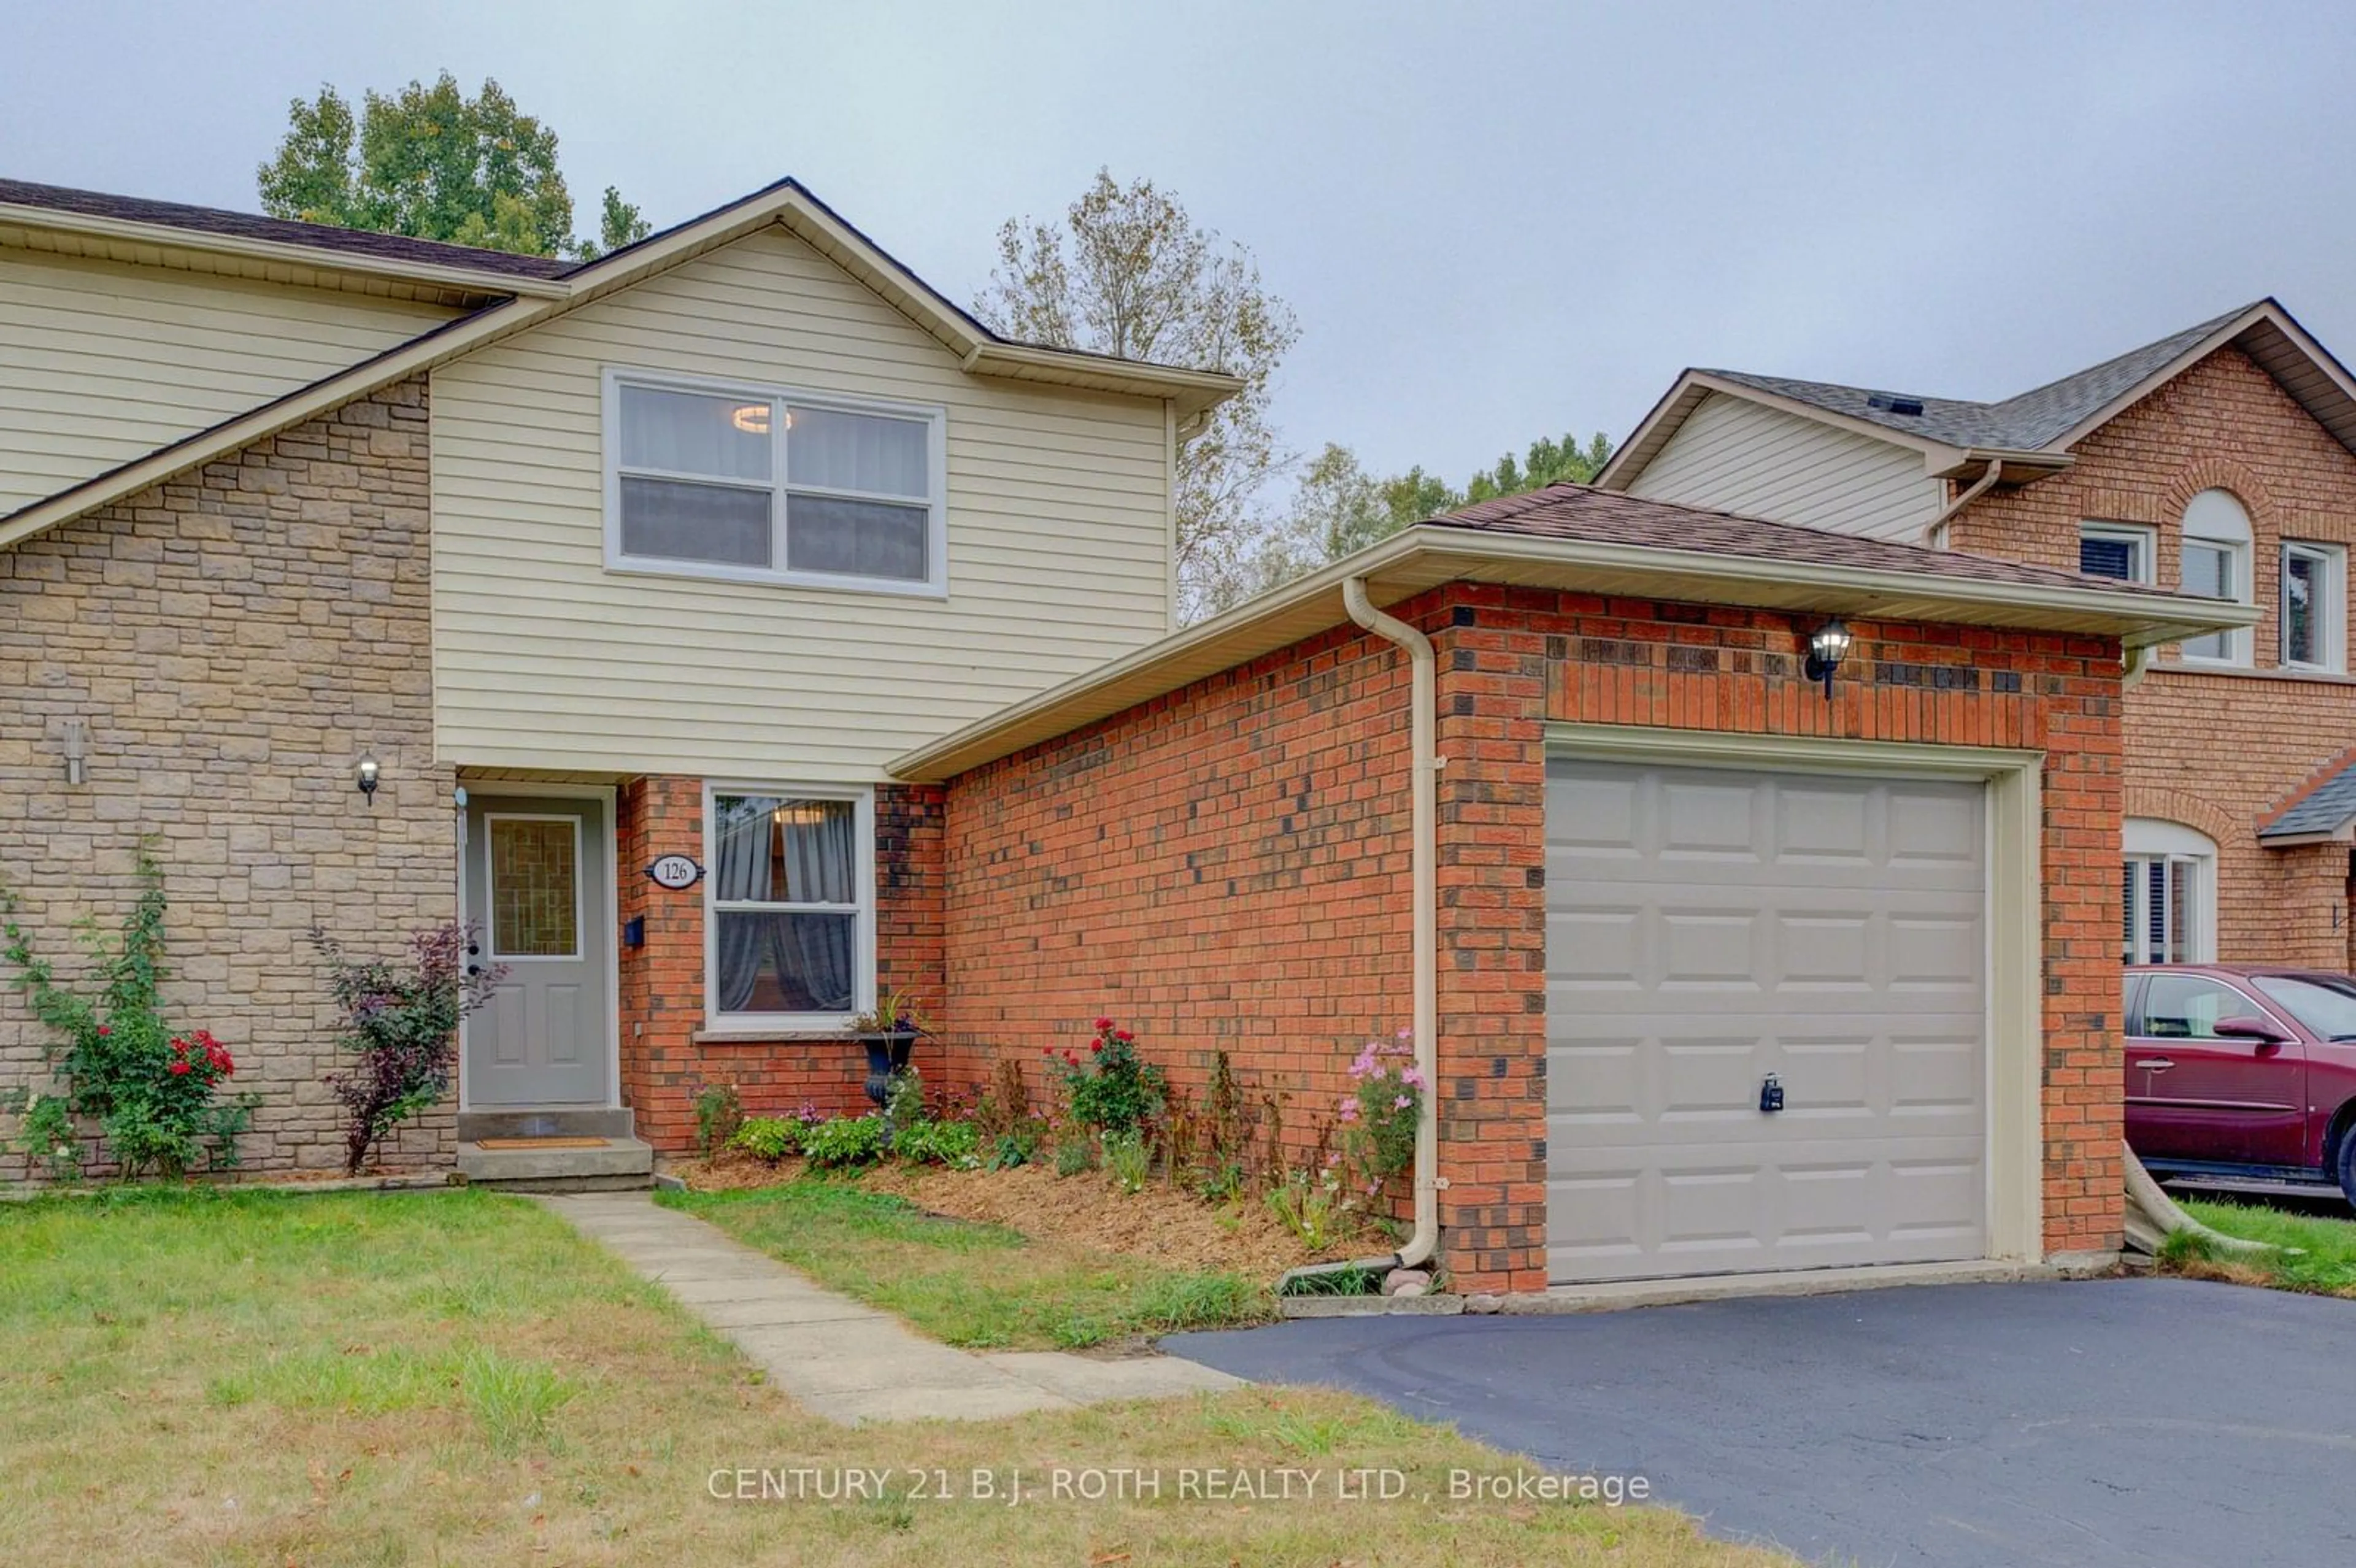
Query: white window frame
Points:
[2188, 853]
[2236, 543]
[936, 584]
[863, 942]
[2330, 608]
[2145, 539]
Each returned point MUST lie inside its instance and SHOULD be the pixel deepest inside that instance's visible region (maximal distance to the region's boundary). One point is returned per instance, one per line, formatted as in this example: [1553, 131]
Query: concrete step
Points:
[548, 1124]
[622, 1164]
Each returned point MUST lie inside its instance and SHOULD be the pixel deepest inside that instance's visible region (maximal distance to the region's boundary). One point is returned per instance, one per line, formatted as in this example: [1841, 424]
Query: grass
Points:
[2325, 1264]
[355, 1381]
[980, 1287]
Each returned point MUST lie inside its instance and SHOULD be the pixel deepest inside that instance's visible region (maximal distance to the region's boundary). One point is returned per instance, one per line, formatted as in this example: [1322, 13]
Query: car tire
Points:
[2343, 1165]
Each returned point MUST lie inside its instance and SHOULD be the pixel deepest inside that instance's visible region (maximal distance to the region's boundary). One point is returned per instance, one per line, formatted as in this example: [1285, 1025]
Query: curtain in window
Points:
[820, 860]
[741, 872]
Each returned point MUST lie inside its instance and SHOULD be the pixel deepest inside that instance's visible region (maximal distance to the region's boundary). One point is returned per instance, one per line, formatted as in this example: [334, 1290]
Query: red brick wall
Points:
[2219, 752]
[1227, 867]
[663, 1063]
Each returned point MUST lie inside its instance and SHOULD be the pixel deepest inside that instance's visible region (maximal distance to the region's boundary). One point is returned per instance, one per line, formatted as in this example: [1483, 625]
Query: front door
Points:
[537, 869]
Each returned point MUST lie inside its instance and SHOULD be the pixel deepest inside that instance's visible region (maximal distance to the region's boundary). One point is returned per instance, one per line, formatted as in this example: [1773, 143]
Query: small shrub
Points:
[904, 1098]
[771, 1138]
[1005, 1104]
[841, 1142]
[1220, 1183]
[402, 1026]
[1110, 1089]
[1018, 1147]
[1129, 1159]
[1074, 1156]
[1311, 1207]
[719, 1112]
[1226, 1117]
[153, 1094]
[1380, 1114]
[957, 1145]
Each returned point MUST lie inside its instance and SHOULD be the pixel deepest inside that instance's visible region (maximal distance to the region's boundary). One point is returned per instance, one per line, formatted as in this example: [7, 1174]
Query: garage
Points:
[1715, 932]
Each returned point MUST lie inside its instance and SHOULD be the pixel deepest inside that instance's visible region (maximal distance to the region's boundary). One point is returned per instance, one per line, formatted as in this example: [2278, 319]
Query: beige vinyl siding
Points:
[1740, 456]
[103, 362]
[1058, 547]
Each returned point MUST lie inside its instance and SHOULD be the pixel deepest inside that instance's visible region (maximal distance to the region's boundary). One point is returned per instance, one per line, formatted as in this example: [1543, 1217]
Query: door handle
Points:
[2155, 1064]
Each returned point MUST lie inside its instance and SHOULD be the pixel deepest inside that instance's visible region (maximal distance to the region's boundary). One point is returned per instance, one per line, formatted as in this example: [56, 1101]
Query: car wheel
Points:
[2343, 1163]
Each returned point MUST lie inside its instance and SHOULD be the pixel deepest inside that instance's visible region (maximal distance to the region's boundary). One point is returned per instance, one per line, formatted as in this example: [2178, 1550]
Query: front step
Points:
[614, 1164]
[525, 1123]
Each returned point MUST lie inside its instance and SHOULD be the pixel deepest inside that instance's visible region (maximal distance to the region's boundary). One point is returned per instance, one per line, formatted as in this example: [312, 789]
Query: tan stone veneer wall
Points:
[234, 640]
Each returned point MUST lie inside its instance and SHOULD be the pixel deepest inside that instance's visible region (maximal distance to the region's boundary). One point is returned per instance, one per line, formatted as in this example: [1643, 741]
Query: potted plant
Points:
[887, 1029]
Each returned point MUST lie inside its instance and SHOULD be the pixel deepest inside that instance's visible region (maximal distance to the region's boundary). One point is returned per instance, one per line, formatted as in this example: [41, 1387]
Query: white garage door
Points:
[1706, 928]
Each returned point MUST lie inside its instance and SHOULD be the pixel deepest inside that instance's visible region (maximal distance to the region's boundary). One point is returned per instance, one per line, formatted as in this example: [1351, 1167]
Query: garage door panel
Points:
[1707, 927]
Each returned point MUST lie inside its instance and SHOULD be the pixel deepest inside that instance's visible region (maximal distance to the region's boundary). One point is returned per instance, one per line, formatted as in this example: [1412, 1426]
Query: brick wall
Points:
[662, 995]
[2217, 752]
[234, 640]
[1227, 866]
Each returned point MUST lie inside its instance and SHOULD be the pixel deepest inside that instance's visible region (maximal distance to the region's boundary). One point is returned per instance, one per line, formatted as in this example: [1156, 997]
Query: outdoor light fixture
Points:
[76, 747]
[369, 771]
[1827, 648]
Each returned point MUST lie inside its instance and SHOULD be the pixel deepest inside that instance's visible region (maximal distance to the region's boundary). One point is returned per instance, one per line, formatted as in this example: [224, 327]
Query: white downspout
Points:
[1936, 534]
[1424, 768]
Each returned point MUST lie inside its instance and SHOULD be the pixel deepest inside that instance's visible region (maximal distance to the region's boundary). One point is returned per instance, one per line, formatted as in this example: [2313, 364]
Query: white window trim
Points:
[2235, 539]
[863, 942]
[2330, 611]
[491, 819]
[936, 537]
[2155, 838]
[2145, 539]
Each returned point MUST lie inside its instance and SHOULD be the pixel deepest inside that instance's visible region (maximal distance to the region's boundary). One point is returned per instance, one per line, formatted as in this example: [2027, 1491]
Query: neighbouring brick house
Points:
[2220, 460]
[739, 631]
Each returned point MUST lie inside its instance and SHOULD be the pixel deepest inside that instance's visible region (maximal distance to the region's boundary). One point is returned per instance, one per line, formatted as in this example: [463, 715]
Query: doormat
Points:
[542, 1143]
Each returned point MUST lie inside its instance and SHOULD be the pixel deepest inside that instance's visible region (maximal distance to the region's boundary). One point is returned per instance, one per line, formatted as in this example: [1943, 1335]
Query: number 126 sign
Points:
[674, 872]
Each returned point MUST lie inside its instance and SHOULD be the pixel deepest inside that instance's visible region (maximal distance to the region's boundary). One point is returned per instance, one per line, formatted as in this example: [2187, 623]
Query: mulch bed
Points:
[1166, 1226]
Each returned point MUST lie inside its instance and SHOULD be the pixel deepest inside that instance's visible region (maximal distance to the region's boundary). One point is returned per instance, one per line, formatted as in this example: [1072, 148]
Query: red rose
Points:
[1095, 1045]
[179, 1069]
[1072, 1059]
[1123, 1036]
[1047, 1051]
[104, 1030]
[179, 1048]
[1103, 1024]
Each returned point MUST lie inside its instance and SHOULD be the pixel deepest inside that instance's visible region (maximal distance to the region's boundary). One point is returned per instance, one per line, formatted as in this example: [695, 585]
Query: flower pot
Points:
[887, 1053]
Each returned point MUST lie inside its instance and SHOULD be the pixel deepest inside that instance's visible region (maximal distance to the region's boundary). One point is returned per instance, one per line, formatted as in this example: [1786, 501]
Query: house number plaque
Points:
[677, 872]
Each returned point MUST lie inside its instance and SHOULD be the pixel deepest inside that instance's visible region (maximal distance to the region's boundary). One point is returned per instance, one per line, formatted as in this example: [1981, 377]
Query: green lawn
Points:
[983, 1286]
[2325, 1264]
[201, 1380]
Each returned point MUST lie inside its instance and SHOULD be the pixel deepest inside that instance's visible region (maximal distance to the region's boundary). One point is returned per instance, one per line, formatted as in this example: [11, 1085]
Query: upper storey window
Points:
[767, 486]
[2217, 566]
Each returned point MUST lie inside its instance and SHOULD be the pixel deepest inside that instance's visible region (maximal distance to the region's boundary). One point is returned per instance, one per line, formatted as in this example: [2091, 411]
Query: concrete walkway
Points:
[840, 1359]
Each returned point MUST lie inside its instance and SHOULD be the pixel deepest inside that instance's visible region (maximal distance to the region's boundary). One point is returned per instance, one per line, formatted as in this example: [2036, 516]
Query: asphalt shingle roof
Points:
[2034, 419]
[2326, 808]
[1610, 516]
[357, 242]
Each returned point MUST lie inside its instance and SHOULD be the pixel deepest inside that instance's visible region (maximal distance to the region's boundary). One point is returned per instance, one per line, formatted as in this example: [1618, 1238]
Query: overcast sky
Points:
[1493, 222]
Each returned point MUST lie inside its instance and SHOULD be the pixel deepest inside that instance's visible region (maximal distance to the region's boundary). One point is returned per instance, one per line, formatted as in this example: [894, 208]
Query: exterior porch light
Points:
[368, 771]
[1826, 647]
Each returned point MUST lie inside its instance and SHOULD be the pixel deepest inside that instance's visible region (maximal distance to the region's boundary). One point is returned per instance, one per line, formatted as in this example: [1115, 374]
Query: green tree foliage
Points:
[433, 164]
[1128, 272]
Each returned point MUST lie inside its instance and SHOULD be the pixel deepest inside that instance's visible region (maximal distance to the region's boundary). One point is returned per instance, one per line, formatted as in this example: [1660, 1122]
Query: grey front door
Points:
[1708, 927]
[537, 870]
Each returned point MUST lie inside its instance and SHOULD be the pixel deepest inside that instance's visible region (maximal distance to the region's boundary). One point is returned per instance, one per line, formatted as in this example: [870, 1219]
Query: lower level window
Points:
[2168, 890]
[792, 905]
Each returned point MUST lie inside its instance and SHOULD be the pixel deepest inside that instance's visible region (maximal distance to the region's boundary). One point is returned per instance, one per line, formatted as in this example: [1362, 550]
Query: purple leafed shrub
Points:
[400, 1024]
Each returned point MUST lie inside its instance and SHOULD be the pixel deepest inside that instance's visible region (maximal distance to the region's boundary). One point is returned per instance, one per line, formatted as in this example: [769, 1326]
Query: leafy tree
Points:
[1128, 272]
[433, 164]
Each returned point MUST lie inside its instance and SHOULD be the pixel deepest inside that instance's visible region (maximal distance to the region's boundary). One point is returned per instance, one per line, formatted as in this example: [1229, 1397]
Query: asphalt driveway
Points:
[2134, 1422]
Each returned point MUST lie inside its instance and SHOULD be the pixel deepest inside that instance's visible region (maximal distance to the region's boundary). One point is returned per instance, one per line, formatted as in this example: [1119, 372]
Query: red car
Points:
[2243, 1071]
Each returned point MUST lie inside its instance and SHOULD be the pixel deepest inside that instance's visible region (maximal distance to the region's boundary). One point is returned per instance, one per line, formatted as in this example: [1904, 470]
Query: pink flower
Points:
[1402, 1103]
[1349, 1110]
[1412, 1077]
[104, 1030]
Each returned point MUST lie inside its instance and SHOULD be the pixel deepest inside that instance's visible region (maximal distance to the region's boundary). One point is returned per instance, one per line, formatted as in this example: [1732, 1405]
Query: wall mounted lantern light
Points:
[1826, 647]
[368, 771]
[76, 749]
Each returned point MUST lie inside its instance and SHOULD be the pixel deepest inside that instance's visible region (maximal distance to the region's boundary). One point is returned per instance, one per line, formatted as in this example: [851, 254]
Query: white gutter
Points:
[1424, 773]
[1937, 532]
